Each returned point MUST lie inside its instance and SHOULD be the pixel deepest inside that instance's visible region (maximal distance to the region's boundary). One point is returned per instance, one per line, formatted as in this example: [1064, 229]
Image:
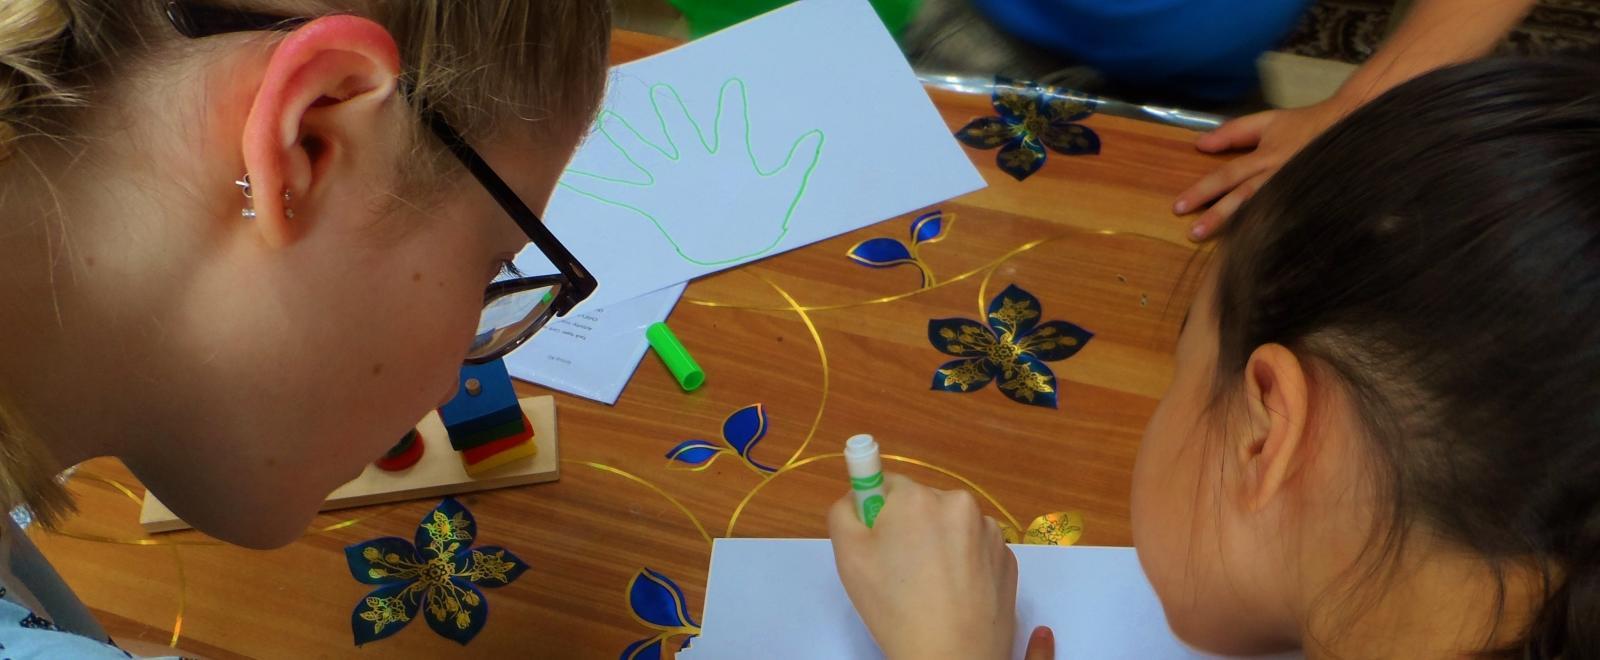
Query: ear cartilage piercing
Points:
[249, 212]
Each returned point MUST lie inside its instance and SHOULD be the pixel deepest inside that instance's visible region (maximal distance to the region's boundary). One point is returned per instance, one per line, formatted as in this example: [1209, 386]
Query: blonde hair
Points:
[28, 32]
[477, 62]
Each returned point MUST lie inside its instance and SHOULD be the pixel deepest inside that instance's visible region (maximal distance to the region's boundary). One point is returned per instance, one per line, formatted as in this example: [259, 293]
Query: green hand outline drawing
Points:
[672, 153]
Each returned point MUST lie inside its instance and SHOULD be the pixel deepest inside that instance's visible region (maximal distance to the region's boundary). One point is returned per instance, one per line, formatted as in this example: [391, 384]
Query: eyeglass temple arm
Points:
[582, 283]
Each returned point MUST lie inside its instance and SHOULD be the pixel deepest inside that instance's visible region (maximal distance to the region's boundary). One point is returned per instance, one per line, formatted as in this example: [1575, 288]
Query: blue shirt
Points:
[1200, 48]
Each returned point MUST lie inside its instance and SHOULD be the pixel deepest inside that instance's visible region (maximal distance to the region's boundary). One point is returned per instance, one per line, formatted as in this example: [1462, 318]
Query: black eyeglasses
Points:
[513, 309]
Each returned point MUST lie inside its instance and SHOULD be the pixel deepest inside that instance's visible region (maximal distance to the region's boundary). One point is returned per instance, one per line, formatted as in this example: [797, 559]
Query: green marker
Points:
[679, 361]
[866, 476]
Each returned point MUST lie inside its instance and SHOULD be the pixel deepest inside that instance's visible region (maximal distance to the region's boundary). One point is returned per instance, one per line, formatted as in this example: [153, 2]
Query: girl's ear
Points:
[324, 88]
[1275, 387]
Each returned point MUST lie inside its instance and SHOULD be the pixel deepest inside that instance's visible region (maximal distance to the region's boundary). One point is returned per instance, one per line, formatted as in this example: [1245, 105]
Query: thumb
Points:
[1041, 645]
[803, 157]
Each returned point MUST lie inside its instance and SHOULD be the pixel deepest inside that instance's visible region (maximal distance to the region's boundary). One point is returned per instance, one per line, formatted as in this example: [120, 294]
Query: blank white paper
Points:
[781, 599]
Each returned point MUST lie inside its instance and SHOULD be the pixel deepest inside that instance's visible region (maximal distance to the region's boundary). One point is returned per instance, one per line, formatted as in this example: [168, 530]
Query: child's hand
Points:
[1275, 135]
[933, 578]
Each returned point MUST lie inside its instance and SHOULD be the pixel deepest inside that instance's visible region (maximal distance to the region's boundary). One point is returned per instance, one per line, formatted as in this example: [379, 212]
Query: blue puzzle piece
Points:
[495, 403]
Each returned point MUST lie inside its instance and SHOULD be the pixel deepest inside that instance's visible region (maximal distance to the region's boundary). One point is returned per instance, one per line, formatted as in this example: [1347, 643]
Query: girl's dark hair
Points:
[1439, 251]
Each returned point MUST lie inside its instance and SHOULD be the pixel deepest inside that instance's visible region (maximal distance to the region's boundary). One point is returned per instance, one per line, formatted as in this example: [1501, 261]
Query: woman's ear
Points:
[324, 90]
[1275, 387]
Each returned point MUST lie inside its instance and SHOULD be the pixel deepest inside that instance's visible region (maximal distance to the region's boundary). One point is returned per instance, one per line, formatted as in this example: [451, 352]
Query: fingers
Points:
[801, 158]
[680, 127]
[1041, 644]
[1236, 134]
[733, 117]
[620, 186]
[1219, 213]
[843, 525]
[893, 481]
[1219, 181]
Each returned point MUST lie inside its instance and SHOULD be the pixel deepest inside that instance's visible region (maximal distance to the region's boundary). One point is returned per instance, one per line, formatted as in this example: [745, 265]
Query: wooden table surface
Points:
[1091, 236]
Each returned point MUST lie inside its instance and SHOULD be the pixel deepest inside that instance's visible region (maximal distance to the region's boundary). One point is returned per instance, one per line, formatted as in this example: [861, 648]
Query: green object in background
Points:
[682, 365]
[707, 16]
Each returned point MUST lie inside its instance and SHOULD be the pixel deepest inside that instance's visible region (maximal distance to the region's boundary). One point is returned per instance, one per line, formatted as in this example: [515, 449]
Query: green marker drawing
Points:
[774, 192]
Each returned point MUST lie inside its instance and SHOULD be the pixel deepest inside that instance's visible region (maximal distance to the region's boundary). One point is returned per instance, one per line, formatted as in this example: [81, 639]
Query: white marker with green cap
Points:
[866, 476]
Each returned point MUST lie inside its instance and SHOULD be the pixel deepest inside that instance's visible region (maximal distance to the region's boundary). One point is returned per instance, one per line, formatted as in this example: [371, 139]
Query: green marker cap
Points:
[679, 361]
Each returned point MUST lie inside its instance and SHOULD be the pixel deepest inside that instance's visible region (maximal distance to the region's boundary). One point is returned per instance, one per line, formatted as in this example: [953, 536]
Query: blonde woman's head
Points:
[244, 367]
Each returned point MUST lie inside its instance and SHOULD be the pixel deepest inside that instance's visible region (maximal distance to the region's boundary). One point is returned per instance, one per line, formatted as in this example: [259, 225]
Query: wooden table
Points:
[1092, 237]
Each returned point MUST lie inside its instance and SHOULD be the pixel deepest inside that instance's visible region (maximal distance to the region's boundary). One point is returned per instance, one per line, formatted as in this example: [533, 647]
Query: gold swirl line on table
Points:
[974, 487]
[183, 598]
[658, 490]
[983, 293]
[822, 355]
[988, 267]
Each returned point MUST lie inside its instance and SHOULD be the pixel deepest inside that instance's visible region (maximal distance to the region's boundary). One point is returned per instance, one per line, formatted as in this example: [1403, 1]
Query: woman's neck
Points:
[1443, 603]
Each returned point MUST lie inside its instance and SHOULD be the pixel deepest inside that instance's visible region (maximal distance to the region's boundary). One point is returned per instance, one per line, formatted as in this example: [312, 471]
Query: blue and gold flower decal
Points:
[927, 228]
[1031, 118]
[657, 603]
[741, 432]
[1012, 349]
[441, 572]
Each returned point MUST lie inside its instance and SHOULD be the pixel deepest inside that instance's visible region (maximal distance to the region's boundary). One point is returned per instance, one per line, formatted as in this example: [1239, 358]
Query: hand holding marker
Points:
[866, 476]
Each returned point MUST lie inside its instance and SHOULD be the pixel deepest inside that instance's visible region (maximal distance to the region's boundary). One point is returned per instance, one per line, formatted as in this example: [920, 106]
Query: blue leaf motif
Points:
[1021, 158]
[1071, 139]
[744, 429]
[658, 602]
[965, 375]
[493, 566]
[880, 253]
[447, 529]
[695, 453]
[960, 337]
[383, 612]
[1014, 312]
[986, 133]
[1056, 340]
[1030, 383]
[369, 563]
[464, 618]
[928, 227]
[644, 649]
[1013, 100]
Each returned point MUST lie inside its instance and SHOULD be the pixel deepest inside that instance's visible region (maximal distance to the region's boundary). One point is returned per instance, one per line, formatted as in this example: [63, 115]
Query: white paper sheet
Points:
[779, 599]
[593, 352]
[796, 126]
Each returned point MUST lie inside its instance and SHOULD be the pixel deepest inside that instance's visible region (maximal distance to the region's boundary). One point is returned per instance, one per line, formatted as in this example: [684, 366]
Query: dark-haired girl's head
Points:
[1383, 434]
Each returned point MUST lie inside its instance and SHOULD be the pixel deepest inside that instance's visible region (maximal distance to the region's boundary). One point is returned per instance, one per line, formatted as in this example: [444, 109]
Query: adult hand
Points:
[932, 578]
[1276, 136]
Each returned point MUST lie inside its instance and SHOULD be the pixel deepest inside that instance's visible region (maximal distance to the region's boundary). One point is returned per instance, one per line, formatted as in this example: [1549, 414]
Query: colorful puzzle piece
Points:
[405, 454]
[485, 423]
[486, 457]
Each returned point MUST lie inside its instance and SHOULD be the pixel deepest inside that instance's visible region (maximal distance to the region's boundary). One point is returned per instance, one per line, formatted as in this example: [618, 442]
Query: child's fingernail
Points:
[1197, 231]
[1181, 207]
[1043, 634]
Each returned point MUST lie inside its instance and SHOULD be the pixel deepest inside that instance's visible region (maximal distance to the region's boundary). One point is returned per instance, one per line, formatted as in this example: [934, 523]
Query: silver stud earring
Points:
[249, 212]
